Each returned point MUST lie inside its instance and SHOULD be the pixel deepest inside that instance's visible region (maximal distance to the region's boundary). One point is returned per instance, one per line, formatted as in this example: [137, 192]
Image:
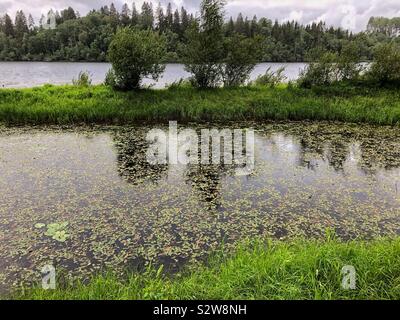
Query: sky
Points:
[350, 14]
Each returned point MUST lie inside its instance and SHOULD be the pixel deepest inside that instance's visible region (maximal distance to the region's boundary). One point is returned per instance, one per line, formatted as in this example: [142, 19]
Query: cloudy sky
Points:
[352, 14]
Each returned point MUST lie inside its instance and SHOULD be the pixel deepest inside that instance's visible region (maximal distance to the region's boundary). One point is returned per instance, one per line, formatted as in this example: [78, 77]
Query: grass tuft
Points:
[299, 269]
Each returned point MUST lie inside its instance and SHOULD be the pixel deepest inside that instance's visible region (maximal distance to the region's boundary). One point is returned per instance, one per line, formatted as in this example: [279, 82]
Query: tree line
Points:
[88, 38]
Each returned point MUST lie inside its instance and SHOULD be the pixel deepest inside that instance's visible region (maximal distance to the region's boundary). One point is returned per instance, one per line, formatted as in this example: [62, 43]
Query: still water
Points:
[118, 211]
[31, 74]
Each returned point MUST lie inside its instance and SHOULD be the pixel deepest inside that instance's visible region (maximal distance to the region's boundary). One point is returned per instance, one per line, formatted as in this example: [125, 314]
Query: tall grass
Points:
[300, 269]
[99, 104]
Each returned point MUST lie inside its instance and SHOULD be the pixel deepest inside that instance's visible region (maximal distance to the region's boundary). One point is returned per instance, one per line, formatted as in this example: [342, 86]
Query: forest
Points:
[87, 38]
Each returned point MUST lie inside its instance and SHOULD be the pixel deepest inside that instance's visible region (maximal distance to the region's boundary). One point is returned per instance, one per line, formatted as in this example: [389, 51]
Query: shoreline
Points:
[97, 104]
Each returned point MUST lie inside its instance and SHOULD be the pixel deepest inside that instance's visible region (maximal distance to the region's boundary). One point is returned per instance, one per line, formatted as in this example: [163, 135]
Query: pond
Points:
[31, 74]
[112, 209]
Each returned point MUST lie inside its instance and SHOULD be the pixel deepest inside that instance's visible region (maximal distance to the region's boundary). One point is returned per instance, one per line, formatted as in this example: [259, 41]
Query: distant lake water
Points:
[31, 74]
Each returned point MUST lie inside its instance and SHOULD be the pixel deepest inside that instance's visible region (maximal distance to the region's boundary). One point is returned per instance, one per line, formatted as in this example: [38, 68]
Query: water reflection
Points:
[206, 183]
[131, 146]
[123, 211]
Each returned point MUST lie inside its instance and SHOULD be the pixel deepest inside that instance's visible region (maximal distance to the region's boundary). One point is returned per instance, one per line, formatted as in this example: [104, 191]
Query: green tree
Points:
[185, 21]
[113, 10]
[21, 24]
[147, 16]
[114, 16]
[240, 25]
[254, 26]
[8, 26]
[68, 14]
[169, 17]
[160, 25]
[125, 15]
[136, 54]
[204, 51]
[176, 25]
[135, 15]
[230, 28]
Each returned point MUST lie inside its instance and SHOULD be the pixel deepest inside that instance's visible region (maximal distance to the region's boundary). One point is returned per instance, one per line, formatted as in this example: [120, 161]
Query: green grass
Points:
[300, 269]
[99, 104]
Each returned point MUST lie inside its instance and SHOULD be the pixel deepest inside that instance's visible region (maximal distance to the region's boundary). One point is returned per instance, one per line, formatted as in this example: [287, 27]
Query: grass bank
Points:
[99, 104]
[300, 269]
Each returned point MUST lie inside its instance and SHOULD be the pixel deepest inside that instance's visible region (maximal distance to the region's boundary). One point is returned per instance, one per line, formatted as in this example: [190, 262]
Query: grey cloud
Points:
[4, 6]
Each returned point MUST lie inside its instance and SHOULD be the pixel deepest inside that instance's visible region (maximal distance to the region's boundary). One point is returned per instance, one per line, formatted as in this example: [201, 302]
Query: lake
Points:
[118, 211]
[31, 74]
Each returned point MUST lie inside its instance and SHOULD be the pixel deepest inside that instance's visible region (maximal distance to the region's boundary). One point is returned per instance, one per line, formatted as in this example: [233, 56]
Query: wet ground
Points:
[85, 199]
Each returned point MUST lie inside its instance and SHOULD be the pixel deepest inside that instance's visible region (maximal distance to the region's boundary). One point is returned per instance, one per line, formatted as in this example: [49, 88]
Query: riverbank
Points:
[300, 269]
[99, 104]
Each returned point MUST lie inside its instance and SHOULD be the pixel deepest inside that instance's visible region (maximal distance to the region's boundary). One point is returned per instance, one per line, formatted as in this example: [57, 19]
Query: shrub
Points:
[136, 54]
[83, 80]
[271, 78]
[320, 72]
[110, 79]
[385, 68]
[242, 54]
[329, 68]
[205, 75]
[348, 66]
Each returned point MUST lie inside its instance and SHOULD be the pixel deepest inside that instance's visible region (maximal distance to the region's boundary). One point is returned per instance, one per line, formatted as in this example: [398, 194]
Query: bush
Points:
[136, 54]
[329, 68]
[83, 80]
[320, 72]
[242, 55]
[205, 75]
[385, 68]
[271, 78]
[111, 80]
[348, 66]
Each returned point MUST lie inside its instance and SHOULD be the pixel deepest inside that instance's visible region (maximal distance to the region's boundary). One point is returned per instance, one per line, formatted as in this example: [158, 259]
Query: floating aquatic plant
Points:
[55, 230]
